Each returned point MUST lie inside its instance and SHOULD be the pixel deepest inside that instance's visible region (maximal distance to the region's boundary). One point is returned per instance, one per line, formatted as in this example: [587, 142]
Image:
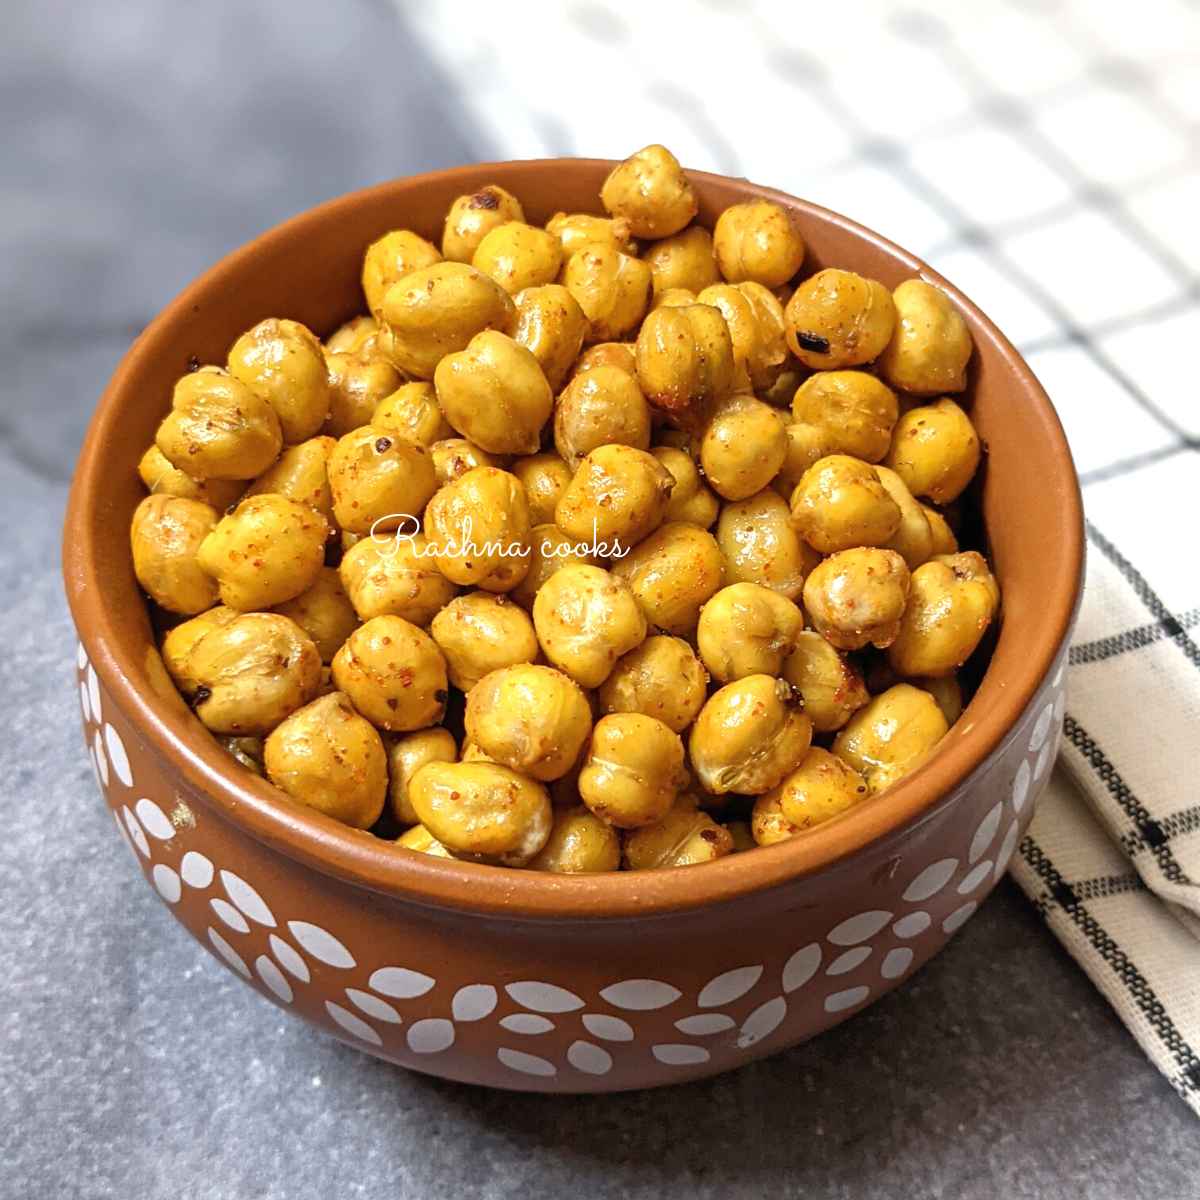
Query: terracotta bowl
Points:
[524, 980]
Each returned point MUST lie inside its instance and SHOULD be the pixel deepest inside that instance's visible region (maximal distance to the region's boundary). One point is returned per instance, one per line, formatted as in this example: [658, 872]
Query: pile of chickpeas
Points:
[617, 543]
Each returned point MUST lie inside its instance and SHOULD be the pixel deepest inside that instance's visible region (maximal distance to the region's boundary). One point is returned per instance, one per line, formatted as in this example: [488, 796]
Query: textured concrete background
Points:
[137, 147]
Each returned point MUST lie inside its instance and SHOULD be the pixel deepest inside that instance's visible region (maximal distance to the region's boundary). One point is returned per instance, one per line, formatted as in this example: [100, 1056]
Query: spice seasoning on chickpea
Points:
[650, 192]
[661, 678]
[928, 354]
[406, 755]
[671, 574]
[165, 537]
[356, 389]
[473, 216]
[839, 319]
[758, 241]
[390, 259]
[633, 771]
[598, 408]
[283, 362]
[378, 477]
[891, 736]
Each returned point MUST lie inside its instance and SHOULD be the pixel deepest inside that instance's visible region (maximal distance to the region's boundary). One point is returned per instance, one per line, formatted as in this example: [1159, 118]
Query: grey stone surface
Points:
[141, 142]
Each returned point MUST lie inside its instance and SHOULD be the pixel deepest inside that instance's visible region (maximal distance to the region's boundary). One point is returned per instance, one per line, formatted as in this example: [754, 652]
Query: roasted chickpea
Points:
[268, 550]
[165, 537]
[685, 837]
[453, 457]
[480, 632]
[749, 736]
[378, 477]
[252, 672]
[351, 337]
[651, 193]
[611, 287]
[473, 216]
[218, 428]
[393, 673]
[929, 351]
[420, 840]
[412, 412]
[551, 326]
[820, 788]
[282, 361]
[586, 618]
[759, 241]
[661, 678]
[633, 771]
[598, 408]
[544, 478]
[356, 389]
[759, 544]
[324, 612]
[672, 573]
[855, 412]
[300, 473]
[768, 825]
[743, 447]
[935, 450]
[856, 597]
[406, 755]
[394, 575]
[685, 362]
[673, 298]
[839, 503]
[829, 684]
[478, 528]
[325, 756]
[951, 604]
[947, 692]
[891, 736]
[747, 629]
[839, 319]
[531, 718]
[437, 311]
[179, 642]
[756, 329]
[575, 230]
[495, 394]
[608, 354]
[691, 500]
[619, 493]
[580, 844]
[483, 811]
[805, 445]
[164, 479]
[518, 256]
[942, 539]
[390, 259]
[682, 261]
[913, 539]
[549, 550]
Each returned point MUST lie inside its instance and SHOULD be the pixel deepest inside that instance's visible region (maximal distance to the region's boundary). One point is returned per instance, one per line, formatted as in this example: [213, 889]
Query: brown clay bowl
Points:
[525, 980]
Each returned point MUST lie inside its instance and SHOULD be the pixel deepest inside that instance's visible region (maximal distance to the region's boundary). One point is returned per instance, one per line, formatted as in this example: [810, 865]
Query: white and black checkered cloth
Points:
[1046, 157]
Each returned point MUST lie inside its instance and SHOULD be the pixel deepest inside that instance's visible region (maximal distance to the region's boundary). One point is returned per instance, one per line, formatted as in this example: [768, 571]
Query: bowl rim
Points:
[358, 858]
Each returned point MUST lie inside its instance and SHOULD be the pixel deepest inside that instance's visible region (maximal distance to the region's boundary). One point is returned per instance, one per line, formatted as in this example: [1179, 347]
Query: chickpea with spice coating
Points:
[574, 230]
[749, 736]
[829, 684]
[378, 477]
[300, 473]
[252, 672]
[551, 326]
[633, 771]
[394, 575]
[935, 450]
[929, 351]
[326, 757]
[673, 298]
[478, 530]
[586, 618]
[579, 844]
[913, 539]
[839, 319]
[857, 597]
[179, 642]
[608, 354]
[685, 363]
[686, 837]
[518, 256]
[805, 445]
[356, 389]
[421, 841]
[684, 260]
[437, 311]
[661, 678]
[454, 457]
[759, 544]
[891, 736]
[942, 539]
[820, 788]
[839, 504]
[163, 478]
[549, 550]
[218, 428]
[483, 811]
[390, 259]
[671, 574]
[651, 193]
[394, 674]
[352, 336]
[406, 755]
[531, 718]
[412, 413]
[473, 216]
[951, 604]
[495, 394]
[756, 330]
[165, 537]
[746, 629]
[619, 493]
[691, 499]
[324, 612]
[481, 632]
[743, 447]
[611, 287]
[598, 408]
[768, 825]
[758, 241]
[855, 411]
[283, 362]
